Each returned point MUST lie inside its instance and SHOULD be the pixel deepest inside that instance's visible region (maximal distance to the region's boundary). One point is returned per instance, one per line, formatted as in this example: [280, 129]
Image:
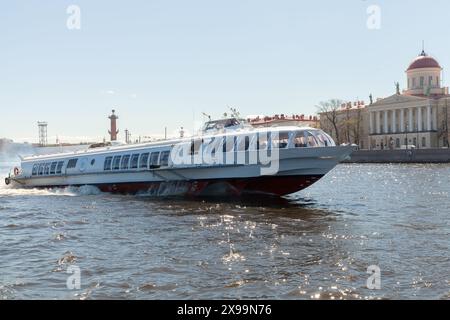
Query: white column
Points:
[402, 120]
[377, 120]
[429, 118]
[370, 122]
[410, 120]
[385, 121]
[394, 121]
[435, 121]
[419, 118]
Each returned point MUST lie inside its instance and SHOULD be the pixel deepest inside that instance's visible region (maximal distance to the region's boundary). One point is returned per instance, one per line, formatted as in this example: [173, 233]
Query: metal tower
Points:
[42, 133]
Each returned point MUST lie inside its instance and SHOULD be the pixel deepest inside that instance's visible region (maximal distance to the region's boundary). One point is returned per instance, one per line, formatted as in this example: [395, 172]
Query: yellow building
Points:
[416, 117]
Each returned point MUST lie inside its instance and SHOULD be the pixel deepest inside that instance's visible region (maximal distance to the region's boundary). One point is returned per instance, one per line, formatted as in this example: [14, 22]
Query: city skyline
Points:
[165, 64]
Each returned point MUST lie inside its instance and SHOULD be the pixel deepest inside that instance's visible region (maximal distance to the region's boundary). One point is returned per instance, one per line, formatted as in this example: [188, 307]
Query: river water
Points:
[316, 244]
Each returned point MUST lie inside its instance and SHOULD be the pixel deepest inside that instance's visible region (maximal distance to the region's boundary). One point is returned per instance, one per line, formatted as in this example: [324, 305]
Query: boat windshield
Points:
[322, 139]
[221, 124]
[312, 138]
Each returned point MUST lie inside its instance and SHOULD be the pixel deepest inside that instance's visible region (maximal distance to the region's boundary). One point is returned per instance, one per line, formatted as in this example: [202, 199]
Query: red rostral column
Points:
[113, 132]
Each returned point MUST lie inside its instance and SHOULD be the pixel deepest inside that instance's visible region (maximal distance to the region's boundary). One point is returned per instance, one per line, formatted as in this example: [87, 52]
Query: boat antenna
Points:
[234, 112]
[207, 115]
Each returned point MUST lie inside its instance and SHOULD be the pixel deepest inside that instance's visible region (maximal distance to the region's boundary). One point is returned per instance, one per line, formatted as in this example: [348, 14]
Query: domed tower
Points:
[424, 76]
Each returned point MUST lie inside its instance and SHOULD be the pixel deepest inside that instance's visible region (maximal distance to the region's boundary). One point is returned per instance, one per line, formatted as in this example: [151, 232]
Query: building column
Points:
[419, 119]
[435, 120]
[371, 122]
[429, 118]
[385, 121]
[394, 121]
[377, 120]
[402, 120]
[410, 120]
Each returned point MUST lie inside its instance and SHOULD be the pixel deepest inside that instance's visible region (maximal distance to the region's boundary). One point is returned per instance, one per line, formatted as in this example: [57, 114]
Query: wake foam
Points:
[68, 191]
[81, 191]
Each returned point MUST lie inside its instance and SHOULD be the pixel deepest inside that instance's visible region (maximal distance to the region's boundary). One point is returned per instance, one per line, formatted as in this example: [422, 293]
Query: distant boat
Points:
[228, 158]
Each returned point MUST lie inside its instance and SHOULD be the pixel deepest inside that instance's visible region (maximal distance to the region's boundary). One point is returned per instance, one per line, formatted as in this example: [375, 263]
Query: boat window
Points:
[322, 139]
[262, 140]
[107, 164]
[213, 145]
[154, 159]
[228, 143]
[53, 167]
[164, 162]
[125, 162]
[47, 168]
[281, 141]
[116, 163]
[209, 146]
[244, 143]
[35, 169]
[143, 162]
[329, 139]
[300, 140]
[312, 142]
[195, 146]
[134, 161]
[59, 167]
[41, 169]
[72, 163]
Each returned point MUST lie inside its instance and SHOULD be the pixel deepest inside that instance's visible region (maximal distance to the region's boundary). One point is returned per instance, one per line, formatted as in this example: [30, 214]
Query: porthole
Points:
[92, 162]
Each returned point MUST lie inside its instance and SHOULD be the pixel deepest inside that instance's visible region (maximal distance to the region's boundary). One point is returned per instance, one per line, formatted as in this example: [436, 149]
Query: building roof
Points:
[423, 61]
[281, 118]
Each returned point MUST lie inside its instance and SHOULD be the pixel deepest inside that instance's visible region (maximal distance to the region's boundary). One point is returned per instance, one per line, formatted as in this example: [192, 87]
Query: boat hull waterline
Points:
[272, 186]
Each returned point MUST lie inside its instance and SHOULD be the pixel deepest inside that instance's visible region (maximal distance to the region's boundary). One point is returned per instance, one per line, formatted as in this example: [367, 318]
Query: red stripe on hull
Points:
[273, 185]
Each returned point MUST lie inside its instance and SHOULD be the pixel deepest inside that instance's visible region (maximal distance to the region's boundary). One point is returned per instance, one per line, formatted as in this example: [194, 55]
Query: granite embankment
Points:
[401, 156]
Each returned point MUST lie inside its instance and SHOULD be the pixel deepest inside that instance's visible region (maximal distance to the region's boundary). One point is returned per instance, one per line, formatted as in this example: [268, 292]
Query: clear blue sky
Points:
[159, 62]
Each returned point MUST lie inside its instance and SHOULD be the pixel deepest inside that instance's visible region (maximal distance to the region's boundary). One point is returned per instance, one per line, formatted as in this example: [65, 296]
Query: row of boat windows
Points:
[47, 168]
[300, 139]
[137, 161]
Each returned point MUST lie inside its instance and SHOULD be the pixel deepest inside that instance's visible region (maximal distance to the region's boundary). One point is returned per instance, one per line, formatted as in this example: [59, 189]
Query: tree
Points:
[348, 124]
[348, 129]
[443, 130]
[330, 110]
[356, 125]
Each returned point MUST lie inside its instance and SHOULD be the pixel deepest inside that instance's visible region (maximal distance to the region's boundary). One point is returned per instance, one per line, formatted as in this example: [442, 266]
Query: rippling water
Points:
[317, 243]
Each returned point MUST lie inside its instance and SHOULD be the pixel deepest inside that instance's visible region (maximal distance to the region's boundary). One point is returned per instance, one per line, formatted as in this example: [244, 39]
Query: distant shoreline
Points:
[400, 156]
